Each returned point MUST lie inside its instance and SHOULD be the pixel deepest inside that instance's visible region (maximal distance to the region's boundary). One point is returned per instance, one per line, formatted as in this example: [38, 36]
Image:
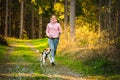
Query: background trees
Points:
[29, 20]
[72, 19]
[21, 18]
[6, 19]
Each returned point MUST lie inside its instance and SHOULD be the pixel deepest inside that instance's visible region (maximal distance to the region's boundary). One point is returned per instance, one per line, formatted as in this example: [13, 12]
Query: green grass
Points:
[73, 64]
[26, 62]
[39, 44]
[76, 65]
[95, 66]
[2, 51]
[94, 69]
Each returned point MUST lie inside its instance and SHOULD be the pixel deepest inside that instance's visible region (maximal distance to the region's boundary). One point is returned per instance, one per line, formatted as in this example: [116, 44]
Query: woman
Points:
[53, 32]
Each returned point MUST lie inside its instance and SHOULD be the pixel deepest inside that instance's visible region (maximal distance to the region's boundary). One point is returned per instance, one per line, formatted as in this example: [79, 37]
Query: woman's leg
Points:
[51, 45]
[56, 41]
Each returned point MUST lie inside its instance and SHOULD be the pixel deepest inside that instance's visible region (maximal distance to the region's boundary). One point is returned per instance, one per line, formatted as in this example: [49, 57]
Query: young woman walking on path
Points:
[53, 32]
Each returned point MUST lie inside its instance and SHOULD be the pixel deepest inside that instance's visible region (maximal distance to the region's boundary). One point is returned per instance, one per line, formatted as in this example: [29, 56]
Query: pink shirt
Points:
[53, 30]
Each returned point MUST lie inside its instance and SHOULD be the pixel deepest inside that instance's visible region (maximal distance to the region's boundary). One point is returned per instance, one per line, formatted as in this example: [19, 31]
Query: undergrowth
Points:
[96, 62]
[90, 53]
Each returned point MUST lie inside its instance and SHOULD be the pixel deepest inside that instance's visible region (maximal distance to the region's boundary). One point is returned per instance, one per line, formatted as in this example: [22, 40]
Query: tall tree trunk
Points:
[40, 26]
[21, 19]
[72, 19]
[99, 28]
[65, 18]
[32, 31]
[110, 21]
[13, 28]
[110, 5]
[10, 18]
[1, 17]
[118, 6]
[119, 22]
[6, 19]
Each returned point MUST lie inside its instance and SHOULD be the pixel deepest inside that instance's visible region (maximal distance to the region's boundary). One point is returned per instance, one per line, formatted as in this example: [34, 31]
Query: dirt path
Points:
[5, 65]
[58, 72]
[11, 71]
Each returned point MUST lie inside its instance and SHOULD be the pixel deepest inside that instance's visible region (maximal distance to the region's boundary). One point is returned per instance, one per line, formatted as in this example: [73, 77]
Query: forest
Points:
[90, 31]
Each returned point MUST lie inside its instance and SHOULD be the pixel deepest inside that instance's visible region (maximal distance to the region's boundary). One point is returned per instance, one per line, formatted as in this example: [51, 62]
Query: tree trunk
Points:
[10, 18]
[110, 21]
[65, 18]
[110, 5]
[0, 17]
[72, 19]
[21, 19]
[119, 22]
[40, 26]
[6, 19]
[32, 31]
[99, 28]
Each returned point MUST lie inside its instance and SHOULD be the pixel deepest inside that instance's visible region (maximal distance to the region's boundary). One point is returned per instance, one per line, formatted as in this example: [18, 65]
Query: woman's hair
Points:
[52, 16]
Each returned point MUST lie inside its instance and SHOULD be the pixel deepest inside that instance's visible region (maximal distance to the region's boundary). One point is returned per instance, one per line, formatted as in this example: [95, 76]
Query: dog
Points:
[46, 53]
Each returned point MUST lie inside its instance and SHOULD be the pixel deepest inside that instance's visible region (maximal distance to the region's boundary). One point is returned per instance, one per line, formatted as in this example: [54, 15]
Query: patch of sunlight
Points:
[39, 45]
[25, 53]
[67, 77]
[15, 39]
[18, 45]
[31, 46]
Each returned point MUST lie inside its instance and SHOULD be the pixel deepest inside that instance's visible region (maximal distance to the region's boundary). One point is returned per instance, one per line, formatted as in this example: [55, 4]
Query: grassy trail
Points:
[21, 62]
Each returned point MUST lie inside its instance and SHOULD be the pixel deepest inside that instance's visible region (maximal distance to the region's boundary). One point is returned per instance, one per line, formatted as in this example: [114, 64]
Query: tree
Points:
[21, 19]
[117, 10]
[40, 26]
[10, 18]
[6, 19]
[32, 30]
[110, 21]
[65, 17]
[72, 19]
[99, 27]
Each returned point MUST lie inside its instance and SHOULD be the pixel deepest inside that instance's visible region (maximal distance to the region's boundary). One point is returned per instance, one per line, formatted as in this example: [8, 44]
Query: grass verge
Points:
[23, 63]
[39, 44]
[92, 68]
[2, 51]
[95, 67]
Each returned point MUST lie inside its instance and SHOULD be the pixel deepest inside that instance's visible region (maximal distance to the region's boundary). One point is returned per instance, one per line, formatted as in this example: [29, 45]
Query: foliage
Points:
[90, 9]
[94, 66]
[85, 36]
[90, 53]
[59, 10]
